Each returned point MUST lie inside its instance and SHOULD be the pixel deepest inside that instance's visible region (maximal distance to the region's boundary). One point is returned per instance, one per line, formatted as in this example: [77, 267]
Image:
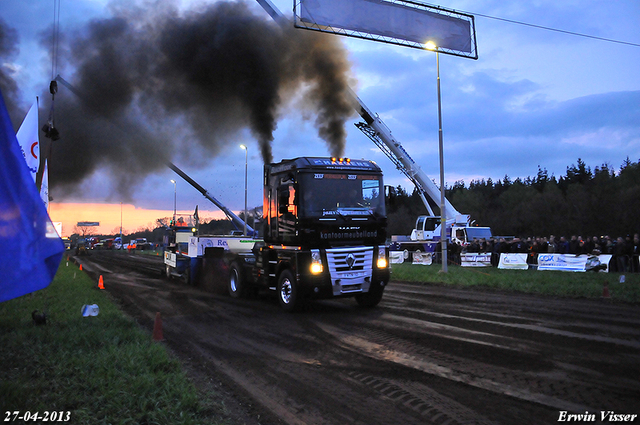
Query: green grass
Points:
[102, 369]
[555, 283]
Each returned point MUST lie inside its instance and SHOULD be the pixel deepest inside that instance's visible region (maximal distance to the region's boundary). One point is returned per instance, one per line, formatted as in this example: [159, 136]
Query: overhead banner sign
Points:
[403, 22]
[88, 224]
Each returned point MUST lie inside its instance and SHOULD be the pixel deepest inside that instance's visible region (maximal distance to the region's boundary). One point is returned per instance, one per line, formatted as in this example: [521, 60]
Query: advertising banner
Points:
[513, 261]
[567, 263]
[476, 260]
[29, 141]
[396, 257]
[423, 258]
[604, 259]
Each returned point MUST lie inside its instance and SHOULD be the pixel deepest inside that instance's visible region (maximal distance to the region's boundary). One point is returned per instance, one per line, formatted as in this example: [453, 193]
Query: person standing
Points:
[620, 254]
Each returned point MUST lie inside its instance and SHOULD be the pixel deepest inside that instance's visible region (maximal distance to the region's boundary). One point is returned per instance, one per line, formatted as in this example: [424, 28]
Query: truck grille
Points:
[346, 263]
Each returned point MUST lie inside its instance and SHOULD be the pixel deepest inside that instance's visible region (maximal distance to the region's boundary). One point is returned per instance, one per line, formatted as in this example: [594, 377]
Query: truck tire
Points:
[236, 281]
[186, 276]
[288, 291]
[371, 298]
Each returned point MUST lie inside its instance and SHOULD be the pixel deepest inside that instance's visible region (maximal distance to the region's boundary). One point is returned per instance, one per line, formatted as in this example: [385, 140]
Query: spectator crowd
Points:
[625, 251]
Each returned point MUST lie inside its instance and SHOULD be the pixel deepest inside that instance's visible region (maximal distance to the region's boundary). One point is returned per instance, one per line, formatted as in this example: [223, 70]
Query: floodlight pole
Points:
[175, 198]
[443, 218]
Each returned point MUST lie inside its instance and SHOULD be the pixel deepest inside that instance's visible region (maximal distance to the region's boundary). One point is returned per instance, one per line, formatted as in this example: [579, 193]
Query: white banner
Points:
[567, 263]
[571, 263]
[58, 226]
[27, 136]
[44, 188]
[476, 259]
[513, 261]
[396, 257]
[423, 258]
[604, 259]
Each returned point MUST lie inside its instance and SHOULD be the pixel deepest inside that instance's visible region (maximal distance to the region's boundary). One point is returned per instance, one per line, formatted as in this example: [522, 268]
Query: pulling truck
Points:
[324, 232]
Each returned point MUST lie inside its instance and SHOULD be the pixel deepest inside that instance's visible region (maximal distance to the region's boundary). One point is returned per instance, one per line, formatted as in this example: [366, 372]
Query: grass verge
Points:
[101, 369]
[555, 283]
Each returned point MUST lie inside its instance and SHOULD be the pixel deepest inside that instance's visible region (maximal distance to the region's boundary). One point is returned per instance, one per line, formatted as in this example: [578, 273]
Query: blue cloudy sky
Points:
[534, 98]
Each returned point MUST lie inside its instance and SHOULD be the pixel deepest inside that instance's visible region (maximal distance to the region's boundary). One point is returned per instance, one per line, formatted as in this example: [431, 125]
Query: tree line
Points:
[585, 202]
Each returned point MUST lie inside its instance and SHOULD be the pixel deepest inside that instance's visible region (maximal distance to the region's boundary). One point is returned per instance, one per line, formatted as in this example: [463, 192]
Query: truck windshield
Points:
[341, 194]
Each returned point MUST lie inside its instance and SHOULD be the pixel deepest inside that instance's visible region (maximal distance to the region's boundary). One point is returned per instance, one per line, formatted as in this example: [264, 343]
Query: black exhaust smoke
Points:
[10, 92]
[153, 85]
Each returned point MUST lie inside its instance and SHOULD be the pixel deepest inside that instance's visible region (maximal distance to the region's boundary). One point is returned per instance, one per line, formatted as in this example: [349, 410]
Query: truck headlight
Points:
[316, 262]
[382, 257]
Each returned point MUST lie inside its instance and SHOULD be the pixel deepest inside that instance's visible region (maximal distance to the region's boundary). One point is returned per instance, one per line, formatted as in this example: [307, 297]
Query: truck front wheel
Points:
[288, 291]
[371, 298]
[236, 285]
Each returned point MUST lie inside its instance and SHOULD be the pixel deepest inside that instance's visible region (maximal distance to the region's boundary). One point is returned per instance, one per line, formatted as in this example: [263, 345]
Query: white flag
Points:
[27, 136]
[44, 189]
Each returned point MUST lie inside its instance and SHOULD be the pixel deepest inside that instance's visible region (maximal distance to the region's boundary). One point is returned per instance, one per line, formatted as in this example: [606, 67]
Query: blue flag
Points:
[30, 248]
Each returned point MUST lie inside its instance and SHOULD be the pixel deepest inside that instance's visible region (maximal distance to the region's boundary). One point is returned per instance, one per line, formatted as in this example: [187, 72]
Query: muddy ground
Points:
[426, 355]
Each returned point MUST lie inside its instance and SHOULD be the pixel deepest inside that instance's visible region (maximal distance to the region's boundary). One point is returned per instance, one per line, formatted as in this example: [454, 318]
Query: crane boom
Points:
[237, 221]
[380, 134]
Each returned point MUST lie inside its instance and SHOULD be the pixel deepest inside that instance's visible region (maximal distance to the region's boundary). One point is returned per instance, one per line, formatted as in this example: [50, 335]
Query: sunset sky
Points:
[109, 215]
[534, 98]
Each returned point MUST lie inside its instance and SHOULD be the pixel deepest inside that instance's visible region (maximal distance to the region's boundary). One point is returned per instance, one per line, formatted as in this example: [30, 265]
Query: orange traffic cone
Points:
[80, 267]
[605, 291]
[157, 328]
[100, 283]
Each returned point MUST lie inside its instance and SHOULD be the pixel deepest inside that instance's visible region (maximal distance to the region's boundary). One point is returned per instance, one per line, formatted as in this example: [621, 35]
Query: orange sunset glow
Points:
[133, 219]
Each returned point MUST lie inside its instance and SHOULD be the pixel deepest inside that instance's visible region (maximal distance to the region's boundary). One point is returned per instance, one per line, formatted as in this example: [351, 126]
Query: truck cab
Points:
[324, 231]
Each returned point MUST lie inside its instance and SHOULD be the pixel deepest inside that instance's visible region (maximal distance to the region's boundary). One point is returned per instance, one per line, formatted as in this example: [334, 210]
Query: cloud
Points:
[496, 124]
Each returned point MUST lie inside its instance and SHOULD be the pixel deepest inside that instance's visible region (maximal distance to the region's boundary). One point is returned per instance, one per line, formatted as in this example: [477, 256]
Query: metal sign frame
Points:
[299, 22]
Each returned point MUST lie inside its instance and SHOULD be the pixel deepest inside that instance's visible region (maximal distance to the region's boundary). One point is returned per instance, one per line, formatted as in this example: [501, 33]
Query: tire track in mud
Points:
[293, 386]
[388, 348]
[556, 383]
[426, 355]
[425, 401]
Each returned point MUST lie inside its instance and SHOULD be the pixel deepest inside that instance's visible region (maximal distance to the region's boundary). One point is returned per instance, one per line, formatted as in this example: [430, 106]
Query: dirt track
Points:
[427, 354]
